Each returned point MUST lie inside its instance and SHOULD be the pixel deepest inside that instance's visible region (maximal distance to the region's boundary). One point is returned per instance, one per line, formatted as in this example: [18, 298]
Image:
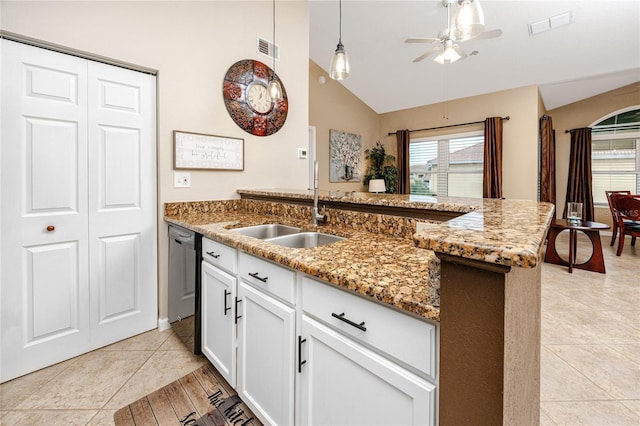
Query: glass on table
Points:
[574, 213]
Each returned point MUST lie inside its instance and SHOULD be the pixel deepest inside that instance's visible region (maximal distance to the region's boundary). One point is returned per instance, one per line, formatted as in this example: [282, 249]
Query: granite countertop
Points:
[389, 269]
[503, 232]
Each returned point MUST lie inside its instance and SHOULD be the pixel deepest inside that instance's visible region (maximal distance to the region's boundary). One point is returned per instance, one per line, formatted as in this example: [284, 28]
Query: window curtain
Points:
[547, 160]
[579, 183]
[492, 174]
[403, 162]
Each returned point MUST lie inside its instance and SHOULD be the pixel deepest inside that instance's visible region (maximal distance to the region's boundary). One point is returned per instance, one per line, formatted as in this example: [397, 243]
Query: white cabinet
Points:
[218, 320]
[266, 339]
[249, 328]
[309, 353]
[343, 383]
[266, 355]
[363, 363]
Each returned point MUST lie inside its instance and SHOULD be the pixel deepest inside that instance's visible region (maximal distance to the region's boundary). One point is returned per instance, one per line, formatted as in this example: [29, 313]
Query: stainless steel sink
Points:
[269, 230]
[305, 240]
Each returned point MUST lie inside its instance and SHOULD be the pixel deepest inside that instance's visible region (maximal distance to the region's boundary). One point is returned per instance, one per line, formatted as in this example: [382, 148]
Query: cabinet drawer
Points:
[407, 339]
[269, 277]
[218, 254]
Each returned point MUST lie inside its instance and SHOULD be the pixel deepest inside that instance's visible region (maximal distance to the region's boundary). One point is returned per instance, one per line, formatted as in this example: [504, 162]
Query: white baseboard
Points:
[163, 324]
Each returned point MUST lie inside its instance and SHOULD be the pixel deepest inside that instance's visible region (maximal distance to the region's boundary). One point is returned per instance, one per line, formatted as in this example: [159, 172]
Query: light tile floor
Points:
[590, 354]
[90, 388]
[590, 357]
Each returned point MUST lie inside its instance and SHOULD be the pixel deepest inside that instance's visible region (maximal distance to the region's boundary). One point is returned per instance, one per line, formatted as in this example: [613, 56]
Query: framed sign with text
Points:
[209, 152]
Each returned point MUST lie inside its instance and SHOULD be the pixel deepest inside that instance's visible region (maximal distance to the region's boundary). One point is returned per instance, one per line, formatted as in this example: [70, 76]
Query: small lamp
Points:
[377, 185]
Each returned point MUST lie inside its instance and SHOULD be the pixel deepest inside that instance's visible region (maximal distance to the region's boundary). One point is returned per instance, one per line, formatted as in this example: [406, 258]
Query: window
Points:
[447, 166]
[615, 156]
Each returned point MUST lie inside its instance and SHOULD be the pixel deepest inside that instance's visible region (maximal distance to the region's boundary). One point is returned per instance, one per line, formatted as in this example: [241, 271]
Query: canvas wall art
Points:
[345, 152]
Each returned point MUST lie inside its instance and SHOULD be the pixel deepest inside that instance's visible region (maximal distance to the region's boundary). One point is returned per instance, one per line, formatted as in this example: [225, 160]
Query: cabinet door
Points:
[218, 320]
[266, 355]
[344, 383]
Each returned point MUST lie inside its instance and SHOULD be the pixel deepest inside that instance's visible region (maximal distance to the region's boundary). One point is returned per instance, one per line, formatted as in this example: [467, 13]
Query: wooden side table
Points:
[591, 229]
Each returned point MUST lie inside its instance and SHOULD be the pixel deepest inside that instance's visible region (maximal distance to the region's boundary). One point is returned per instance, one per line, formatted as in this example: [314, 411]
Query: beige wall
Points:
[191, 45]
[586, 113]
[332, 106]
[520, 133]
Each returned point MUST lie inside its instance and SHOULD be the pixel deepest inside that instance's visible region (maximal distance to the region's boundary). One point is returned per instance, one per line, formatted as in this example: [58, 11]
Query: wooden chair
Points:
[614, 228]
[627, 208]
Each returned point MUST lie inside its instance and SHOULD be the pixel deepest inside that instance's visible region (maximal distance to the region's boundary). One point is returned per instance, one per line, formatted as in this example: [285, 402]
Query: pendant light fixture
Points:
[468, 20]
[274, 89]
[339, 62]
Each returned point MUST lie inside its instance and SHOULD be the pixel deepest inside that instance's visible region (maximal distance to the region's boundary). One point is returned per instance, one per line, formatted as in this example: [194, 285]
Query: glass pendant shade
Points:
[468, 19]
[339, 64]
[275, 90]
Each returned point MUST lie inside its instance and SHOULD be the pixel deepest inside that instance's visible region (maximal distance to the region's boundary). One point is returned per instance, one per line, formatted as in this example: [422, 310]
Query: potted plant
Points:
[381, 166]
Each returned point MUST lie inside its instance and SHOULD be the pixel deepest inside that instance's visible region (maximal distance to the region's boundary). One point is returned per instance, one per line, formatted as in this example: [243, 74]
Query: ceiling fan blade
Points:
[488, 34]
[426, 54]
[421, 40]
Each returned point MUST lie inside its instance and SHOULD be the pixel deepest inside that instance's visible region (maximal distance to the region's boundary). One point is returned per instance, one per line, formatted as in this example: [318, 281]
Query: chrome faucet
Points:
[316, 215]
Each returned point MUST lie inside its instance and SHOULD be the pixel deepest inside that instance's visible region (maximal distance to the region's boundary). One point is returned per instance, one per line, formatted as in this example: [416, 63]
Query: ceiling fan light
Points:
[447, 55]
[275, 90]
[468, 19]
[339, 64]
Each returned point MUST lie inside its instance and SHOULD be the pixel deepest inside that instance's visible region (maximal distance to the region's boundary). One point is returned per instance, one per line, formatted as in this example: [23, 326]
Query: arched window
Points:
[615, 157]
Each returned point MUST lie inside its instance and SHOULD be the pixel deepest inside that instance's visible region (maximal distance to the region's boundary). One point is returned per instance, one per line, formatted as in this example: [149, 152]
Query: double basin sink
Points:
[287, 236]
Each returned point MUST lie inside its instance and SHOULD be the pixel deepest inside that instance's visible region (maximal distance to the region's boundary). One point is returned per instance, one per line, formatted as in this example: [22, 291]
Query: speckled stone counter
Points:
[387, 267]
[504, 232]
[383, 255]
[490, 297]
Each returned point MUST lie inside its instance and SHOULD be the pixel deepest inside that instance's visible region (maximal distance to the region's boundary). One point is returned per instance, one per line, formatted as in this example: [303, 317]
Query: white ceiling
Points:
[598, 52]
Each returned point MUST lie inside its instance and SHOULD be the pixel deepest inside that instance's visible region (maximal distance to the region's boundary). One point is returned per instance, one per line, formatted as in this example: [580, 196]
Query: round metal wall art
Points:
[244, 91]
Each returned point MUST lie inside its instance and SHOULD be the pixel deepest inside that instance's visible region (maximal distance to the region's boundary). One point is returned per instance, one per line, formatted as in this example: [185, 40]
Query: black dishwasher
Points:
[185, 250]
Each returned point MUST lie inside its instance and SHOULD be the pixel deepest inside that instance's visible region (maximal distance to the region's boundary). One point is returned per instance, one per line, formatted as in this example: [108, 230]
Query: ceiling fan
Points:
[467, 24]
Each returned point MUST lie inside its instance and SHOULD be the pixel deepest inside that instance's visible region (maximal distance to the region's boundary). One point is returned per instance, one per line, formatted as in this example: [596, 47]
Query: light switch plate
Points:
[302, 152]
[181, 180]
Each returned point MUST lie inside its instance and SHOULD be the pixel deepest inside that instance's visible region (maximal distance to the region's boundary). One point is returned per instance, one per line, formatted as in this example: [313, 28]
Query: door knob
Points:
[51, 228]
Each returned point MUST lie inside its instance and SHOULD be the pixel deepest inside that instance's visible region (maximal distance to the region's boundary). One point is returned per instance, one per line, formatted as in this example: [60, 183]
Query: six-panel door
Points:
[70, 282]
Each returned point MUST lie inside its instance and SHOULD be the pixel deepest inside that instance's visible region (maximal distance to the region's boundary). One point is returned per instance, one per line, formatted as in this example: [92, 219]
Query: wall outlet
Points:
[181, 180]
[302, 152]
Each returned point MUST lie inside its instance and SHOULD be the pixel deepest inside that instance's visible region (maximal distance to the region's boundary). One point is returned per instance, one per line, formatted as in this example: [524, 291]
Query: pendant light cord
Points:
[340, 23]
[274, 37]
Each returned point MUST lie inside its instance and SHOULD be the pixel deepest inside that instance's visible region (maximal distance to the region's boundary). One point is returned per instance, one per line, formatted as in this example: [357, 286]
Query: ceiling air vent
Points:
[550, 23]
[269, 49]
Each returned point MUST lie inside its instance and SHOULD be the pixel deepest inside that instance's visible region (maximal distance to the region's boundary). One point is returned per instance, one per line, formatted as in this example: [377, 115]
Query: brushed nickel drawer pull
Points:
[258, 277]
[348, 321]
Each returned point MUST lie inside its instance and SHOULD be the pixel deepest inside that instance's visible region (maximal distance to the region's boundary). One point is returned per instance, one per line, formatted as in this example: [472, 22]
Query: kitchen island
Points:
[472, 268]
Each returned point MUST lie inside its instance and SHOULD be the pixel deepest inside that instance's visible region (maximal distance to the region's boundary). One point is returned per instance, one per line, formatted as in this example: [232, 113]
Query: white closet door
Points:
[122, 203]
[78, 213]
[45, 314]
